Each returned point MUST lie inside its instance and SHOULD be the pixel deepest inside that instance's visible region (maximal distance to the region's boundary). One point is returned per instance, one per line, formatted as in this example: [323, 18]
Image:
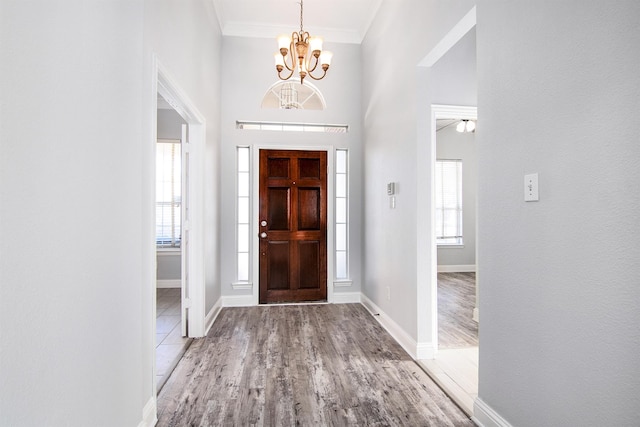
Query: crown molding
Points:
[246, 29]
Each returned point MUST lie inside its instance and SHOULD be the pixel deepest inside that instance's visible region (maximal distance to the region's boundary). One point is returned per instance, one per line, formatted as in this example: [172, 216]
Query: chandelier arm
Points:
[284, 59]
[315, 65]
[318, 78]
[285, 78]
[292, 54]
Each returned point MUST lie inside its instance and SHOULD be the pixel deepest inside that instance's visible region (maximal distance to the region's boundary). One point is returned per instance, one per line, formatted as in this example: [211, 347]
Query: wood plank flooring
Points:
[315, 365]
[456, 300]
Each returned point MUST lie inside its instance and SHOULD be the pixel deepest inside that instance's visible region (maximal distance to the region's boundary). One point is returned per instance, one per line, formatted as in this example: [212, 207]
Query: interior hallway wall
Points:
[558, 93]
[77, 194]
[397, 130]
[71, 264]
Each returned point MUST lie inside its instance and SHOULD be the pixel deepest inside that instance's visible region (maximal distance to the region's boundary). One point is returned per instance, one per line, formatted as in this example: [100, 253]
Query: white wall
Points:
[452, 144]
[71, 305]
[558, 95]
[397, 128]
[77, 256]
[169, 124]
[247, 76]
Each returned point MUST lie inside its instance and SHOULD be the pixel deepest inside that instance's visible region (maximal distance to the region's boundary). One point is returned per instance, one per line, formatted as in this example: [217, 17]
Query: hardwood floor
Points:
[301, 365]
[456, 300]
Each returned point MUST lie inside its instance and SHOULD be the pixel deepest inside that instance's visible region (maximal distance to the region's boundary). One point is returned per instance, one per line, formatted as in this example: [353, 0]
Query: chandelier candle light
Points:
[308, 51]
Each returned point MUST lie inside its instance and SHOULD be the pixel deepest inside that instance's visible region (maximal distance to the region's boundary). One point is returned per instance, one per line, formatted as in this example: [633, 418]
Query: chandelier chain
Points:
[301, 31]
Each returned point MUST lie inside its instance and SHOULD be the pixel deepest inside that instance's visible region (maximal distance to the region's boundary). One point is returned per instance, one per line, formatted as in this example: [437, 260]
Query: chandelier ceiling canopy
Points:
[302, 53]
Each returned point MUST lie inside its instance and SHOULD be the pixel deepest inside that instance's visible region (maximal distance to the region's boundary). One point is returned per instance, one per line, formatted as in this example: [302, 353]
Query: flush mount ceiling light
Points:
[303, 53]
[466, 126]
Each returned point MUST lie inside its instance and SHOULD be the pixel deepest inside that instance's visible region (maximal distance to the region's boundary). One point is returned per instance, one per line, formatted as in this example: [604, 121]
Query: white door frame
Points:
[255, 215]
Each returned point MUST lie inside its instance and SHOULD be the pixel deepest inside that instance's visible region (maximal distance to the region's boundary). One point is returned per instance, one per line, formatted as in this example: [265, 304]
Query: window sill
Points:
[168, 251]
[449, 246]
[241, 285]
[342, 283]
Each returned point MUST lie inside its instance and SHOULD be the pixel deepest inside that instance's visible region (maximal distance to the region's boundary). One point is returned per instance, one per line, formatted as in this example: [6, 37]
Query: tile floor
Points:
[456, 372]
[170, 344]
[455, 367]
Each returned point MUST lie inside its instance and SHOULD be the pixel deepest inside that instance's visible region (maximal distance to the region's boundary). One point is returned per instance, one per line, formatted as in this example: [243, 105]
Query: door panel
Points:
[293, 226]
[309, 209]
[278, 259]
[279, 202]
[309, 261]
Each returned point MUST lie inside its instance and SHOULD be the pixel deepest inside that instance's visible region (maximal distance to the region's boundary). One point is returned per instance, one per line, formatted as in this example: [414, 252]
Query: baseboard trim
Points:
[212, 315]
[408, 343]
[485, 416]
[347, 297]
[457, 268]
[161, 284]
[149, 414]
[237, 301]
[425, 351]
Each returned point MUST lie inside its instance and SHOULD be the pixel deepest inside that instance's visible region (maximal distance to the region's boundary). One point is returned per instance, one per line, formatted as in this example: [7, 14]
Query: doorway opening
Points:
[172, 338]
[178, 297]
[455, 366]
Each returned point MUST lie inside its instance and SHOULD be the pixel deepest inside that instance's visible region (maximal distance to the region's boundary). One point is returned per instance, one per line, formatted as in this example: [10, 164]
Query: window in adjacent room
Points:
[448, 184]
[168, 193]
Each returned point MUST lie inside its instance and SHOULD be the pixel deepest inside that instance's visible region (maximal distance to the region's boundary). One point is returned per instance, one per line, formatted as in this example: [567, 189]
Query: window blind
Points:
[168, 193]
[449, 201]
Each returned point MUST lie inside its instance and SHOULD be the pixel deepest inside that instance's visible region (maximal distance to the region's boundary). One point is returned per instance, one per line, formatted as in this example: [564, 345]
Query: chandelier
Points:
[303, 53]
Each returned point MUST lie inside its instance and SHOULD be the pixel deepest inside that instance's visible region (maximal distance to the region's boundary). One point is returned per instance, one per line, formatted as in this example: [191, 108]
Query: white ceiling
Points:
[340, 21]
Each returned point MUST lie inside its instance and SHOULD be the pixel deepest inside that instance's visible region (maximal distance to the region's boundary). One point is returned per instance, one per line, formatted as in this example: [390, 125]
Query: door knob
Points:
[263, 235]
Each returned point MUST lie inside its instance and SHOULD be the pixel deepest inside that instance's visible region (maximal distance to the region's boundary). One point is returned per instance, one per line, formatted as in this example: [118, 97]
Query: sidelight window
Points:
[342, 214]
[242, 213]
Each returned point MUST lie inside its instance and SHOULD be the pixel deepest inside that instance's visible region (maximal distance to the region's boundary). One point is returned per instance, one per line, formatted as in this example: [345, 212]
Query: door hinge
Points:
[186, 302]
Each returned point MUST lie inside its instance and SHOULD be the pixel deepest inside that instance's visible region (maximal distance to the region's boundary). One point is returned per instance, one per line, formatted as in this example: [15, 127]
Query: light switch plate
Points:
[391, 188]
[531, 188]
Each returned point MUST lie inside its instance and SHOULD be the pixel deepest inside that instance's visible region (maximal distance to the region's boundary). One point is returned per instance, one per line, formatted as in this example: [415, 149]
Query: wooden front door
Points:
[293, 226]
